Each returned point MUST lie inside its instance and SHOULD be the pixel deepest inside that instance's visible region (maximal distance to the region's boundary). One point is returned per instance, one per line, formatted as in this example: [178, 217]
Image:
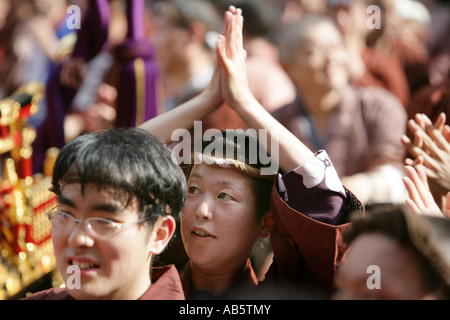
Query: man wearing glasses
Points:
[119, 195]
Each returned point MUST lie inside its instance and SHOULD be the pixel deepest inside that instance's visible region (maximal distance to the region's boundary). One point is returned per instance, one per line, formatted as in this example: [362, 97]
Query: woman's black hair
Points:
[243, 152]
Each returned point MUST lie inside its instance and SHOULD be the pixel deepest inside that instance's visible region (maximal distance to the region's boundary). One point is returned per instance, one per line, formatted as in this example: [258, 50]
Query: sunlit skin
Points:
[120, 264]
[400, 274]
[219, 224]
[170, 44]
[321, 63]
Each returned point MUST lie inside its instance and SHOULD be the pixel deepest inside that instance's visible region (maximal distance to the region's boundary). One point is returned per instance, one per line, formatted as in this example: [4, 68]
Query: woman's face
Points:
[219, 225]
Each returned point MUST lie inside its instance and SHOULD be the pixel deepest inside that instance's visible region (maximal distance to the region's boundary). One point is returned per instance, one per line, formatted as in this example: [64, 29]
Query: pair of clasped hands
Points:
[430, 167]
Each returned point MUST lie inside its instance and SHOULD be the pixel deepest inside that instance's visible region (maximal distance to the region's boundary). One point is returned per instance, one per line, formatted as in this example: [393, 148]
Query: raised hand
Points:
[430, 149]
[282, 145]
[420, 198]
[232, 57]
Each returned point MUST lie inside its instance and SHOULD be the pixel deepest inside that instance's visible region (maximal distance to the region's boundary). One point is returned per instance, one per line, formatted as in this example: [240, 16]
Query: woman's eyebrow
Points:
[223, 182]
[196, 176]
[227, 182]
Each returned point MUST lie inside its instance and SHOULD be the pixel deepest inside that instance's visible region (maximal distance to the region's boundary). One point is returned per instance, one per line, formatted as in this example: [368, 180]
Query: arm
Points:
[378, 185]
[307, 227]
[184, 115]
[280, 143]
[311, 185]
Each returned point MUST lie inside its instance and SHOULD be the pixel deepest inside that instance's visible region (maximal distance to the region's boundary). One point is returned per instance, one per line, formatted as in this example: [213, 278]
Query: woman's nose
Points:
[204, 210]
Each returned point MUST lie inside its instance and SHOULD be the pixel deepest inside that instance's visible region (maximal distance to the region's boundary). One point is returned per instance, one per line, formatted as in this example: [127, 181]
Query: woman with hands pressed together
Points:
[231, 204]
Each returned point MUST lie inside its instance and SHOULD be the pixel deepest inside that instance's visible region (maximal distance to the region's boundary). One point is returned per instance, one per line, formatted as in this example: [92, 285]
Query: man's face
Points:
[116, 267]
[321, 63]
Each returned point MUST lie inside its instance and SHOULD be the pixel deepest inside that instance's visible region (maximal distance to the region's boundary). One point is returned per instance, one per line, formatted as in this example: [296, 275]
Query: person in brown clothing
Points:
[369, 67]
[360, 127]
[119, 193]
[235, 199]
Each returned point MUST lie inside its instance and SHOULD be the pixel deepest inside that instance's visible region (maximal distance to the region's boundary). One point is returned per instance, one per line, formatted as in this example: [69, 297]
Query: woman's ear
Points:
[267, 227]
[163, 230]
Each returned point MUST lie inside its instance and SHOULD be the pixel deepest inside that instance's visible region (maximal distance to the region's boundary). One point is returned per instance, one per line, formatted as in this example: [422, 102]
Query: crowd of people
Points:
[356, 117]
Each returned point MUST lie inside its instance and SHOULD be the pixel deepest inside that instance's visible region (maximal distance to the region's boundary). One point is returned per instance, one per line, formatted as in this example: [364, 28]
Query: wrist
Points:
[245, 103]
[211, 99]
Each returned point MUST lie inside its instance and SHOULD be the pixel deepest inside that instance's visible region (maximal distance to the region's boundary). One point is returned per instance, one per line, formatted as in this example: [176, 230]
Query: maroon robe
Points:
[166, 286]
[311, 211]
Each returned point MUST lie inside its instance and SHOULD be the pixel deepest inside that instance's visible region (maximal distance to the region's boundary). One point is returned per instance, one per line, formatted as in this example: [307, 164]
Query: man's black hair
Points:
[131, 161]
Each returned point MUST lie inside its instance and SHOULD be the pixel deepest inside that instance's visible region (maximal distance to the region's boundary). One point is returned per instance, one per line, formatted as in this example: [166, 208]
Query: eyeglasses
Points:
[96, 227]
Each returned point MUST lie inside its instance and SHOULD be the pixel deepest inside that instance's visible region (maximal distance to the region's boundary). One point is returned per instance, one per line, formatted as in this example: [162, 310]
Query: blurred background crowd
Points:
[401, 47]
[342, 75]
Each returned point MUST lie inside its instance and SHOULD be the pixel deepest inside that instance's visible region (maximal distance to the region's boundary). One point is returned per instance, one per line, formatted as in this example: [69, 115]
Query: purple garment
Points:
[91, 39]
[136, 89]
[138, 73]
[93, 35]
[315, 190]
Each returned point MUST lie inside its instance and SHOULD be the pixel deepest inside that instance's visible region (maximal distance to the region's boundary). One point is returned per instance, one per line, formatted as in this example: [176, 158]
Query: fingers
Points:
[234, 40]
[434, 131]
[417, 176]
[231, 45]
[446, 132]
[417, 127]
[422, 176]
[413, 163]
[437, 142]
[447, 205]
[227, 23]
[411, 147]
[420, 198]
[428, 137]
[232, 9]
[413, 206]
[417, 186]
[440, 121]
[430, 149]
[418, 139]
[221, 52]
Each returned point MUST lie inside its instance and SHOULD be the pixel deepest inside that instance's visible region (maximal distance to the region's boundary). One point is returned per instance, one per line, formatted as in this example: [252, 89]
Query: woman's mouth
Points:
[201, 233]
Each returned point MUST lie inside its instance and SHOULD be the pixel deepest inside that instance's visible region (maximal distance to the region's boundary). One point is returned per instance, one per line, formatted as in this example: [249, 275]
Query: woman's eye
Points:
[225, 196]
[193, 190]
